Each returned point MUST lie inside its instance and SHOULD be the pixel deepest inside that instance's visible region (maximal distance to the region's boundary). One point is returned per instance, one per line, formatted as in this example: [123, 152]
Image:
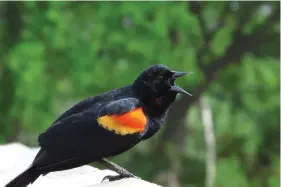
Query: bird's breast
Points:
[130, 122]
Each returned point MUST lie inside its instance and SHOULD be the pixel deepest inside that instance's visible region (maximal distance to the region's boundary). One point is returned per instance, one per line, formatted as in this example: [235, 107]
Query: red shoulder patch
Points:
[131, 122]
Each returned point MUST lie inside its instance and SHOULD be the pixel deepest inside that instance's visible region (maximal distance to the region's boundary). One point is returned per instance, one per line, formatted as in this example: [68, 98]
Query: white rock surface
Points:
[15, 158]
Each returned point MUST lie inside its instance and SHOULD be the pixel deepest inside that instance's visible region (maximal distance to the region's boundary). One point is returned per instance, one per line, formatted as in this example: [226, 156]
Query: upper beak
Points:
[176, 88]
[177, 74]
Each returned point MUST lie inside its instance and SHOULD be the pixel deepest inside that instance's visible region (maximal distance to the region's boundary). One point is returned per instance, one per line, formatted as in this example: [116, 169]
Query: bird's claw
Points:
[118, 177]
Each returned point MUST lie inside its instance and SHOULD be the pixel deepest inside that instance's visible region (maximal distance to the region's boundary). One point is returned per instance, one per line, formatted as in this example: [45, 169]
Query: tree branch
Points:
[210, 140]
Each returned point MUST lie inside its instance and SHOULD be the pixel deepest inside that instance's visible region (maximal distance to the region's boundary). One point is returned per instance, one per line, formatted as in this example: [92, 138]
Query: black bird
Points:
[105, 126]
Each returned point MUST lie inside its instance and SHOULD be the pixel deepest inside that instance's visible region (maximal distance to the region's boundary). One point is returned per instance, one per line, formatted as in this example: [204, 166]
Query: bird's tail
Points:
[25, 178]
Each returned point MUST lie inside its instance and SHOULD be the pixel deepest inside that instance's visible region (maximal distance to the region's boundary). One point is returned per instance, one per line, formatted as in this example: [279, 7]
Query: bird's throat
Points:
[162, 103]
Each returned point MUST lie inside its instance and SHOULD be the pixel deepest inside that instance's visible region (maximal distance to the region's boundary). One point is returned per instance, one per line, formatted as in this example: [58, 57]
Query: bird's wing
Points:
[79, 107]
[89, 136]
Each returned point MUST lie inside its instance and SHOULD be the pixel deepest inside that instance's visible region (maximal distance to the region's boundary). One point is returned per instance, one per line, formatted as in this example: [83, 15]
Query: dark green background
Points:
[53, 54]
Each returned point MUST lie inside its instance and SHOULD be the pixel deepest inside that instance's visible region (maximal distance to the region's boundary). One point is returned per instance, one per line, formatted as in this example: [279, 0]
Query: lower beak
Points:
[177, 89]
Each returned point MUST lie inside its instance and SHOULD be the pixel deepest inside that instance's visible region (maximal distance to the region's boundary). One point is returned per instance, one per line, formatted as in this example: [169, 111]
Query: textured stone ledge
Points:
[15, 157]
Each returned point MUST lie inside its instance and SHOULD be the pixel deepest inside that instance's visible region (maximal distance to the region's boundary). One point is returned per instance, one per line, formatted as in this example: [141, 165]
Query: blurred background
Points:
[54, 54]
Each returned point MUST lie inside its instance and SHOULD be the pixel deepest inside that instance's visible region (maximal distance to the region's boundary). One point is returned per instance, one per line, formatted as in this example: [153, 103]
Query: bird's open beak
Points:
[177, 89]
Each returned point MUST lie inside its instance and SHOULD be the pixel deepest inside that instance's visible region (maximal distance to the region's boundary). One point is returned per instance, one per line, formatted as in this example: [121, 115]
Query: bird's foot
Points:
[118, 177]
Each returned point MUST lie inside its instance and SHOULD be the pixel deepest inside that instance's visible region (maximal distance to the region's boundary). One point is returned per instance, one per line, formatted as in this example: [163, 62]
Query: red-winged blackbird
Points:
[105, 125]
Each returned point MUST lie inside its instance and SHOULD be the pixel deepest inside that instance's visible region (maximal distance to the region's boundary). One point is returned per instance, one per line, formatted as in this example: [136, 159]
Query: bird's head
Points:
[156, 85]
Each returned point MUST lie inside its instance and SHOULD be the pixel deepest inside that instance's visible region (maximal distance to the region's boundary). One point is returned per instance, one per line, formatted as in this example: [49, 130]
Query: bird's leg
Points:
[123, 173]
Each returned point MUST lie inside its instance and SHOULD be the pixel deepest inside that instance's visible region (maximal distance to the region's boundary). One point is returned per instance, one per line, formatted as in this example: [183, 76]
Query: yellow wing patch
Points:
[129, 123]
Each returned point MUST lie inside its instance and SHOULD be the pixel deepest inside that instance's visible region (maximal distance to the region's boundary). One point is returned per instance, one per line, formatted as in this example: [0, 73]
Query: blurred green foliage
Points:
[53, 54]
